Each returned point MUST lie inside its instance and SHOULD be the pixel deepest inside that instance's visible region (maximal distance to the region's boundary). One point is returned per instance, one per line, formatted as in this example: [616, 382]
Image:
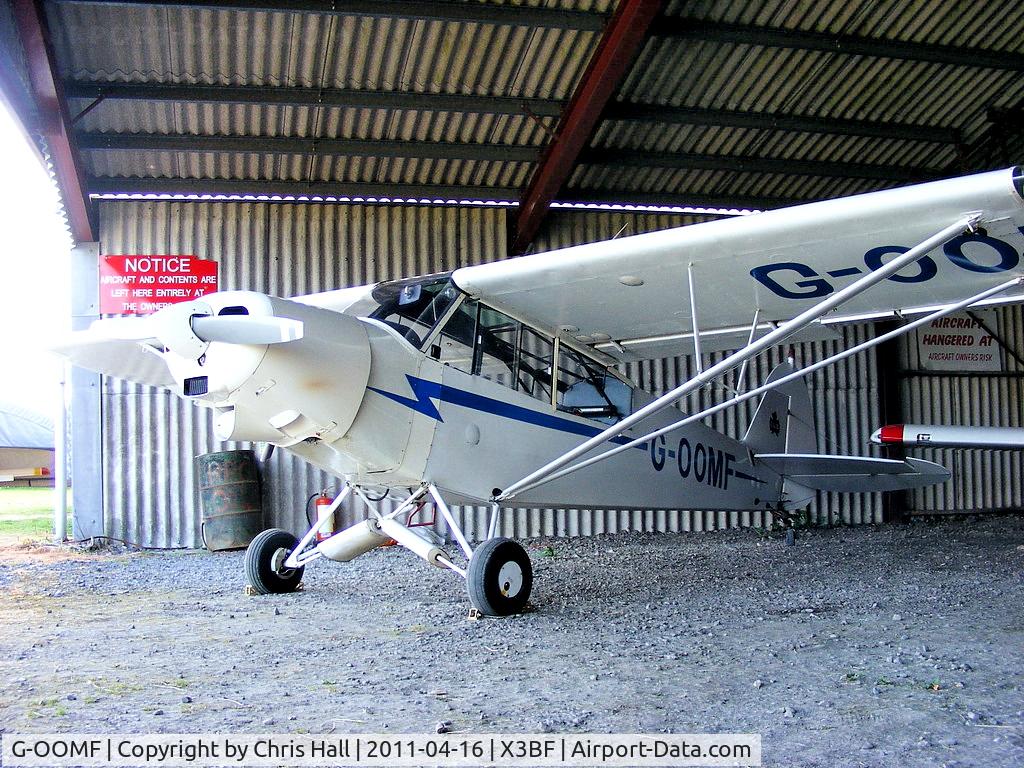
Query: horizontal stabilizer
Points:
[854, 474]
[116, 357]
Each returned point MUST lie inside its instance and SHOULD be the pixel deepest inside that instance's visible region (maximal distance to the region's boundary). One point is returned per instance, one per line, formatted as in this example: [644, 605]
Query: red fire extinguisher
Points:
[323, 505]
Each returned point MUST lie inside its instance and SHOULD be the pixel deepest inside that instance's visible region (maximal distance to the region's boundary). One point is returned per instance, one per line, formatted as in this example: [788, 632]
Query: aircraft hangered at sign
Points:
[497, 383]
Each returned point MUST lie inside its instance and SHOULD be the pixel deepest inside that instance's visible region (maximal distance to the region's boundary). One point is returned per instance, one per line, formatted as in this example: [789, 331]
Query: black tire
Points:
[492, 591]
[260, 558]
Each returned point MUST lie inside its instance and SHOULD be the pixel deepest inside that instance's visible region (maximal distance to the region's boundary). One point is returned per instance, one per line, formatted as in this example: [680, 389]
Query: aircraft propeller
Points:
[187, 328]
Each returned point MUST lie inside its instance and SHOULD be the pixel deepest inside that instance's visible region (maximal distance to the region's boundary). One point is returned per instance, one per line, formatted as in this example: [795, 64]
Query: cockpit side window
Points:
[533, 374]
[586, 389]
[497, 336]
[454, 344]
[485, 342]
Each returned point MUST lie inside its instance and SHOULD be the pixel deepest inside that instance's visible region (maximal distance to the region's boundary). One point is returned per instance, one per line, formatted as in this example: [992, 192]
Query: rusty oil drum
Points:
[229, 496]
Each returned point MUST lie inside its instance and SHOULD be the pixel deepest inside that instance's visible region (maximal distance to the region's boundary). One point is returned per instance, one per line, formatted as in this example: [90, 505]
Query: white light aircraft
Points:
[497, 383]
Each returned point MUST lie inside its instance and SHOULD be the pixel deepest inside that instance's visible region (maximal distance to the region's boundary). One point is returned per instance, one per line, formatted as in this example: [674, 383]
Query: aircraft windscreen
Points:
[413, 307]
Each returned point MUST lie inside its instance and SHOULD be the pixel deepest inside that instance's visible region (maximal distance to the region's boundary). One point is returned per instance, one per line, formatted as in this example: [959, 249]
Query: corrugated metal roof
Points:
[141, 43]
[734, 63]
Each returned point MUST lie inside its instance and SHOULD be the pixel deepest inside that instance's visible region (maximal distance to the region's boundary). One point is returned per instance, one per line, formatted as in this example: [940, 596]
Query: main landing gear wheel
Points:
[499, 578]
[264, 563]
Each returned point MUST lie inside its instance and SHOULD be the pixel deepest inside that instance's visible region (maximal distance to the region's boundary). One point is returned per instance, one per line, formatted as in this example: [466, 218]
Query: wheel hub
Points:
[510, 579]
[277, 562]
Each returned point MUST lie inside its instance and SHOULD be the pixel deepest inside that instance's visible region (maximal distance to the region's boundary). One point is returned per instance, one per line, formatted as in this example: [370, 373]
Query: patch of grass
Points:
[27, 512]
[177, 682]
[116, 687]
[32, 529]
[26, 500]
[50, 706]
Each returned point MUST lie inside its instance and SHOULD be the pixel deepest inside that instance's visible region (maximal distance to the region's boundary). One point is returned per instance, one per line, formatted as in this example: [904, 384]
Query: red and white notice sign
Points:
[958, 342]
[138, 285]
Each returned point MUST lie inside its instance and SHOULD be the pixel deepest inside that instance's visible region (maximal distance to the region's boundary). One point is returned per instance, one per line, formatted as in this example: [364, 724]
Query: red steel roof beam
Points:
[48, 95]
[625, 32]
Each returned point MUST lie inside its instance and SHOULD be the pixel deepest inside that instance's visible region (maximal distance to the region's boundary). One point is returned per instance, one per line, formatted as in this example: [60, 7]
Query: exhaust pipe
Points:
[352, 542]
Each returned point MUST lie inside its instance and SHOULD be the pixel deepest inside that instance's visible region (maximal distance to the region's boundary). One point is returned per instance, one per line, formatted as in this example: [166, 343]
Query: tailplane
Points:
[782, 438]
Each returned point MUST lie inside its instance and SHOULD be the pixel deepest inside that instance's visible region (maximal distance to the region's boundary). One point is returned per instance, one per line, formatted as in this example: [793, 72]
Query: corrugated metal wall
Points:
[151, 437]
[983, 480]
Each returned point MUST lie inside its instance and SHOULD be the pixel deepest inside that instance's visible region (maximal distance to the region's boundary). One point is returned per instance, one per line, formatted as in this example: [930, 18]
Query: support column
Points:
[86, 409]
[890, 407]
[60, 459]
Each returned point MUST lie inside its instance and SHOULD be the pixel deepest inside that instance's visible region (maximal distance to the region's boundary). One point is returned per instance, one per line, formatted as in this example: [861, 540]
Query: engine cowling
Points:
[308, 387]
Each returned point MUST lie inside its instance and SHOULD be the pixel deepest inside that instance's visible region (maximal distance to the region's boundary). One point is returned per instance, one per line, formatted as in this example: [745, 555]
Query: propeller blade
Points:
[137, 328]
[247, 329]
[187, 328]
[123, 358]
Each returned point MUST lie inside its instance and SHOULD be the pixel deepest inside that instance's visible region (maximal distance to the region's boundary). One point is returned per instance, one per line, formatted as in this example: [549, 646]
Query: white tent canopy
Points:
[23, 428]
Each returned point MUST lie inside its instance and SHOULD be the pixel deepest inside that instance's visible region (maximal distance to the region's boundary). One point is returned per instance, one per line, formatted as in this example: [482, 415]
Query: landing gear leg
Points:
[499, 576]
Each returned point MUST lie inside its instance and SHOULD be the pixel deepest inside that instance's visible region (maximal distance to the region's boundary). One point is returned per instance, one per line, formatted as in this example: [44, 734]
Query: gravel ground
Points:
[895, 646]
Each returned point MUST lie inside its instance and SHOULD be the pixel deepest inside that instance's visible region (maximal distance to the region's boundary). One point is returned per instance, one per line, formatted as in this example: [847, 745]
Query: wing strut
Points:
[779, 382]
[765, 342]
[693, 319]
[741, 377]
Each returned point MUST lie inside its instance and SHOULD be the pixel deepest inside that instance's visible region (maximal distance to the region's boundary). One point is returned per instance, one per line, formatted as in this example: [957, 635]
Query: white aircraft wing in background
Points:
[941, 435]
[630, 296]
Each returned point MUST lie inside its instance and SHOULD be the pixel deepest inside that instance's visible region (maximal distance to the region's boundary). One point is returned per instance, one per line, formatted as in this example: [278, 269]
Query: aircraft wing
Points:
[630, 296]
[935, 435]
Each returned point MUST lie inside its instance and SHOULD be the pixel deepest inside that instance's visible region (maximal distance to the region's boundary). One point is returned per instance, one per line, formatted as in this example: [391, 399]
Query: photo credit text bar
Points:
[398, 750]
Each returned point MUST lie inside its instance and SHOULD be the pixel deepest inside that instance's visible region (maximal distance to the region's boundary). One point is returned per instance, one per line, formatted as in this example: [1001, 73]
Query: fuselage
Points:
[368, 399]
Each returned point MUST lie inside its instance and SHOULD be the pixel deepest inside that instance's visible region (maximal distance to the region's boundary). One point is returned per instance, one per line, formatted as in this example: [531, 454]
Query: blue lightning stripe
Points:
[427, 391]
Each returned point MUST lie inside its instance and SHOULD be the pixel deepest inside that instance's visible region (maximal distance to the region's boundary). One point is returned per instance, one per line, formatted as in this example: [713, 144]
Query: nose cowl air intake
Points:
[311, 387]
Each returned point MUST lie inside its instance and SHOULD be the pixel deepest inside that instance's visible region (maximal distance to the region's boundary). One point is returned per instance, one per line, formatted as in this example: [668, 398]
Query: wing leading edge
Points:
[631, 293]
